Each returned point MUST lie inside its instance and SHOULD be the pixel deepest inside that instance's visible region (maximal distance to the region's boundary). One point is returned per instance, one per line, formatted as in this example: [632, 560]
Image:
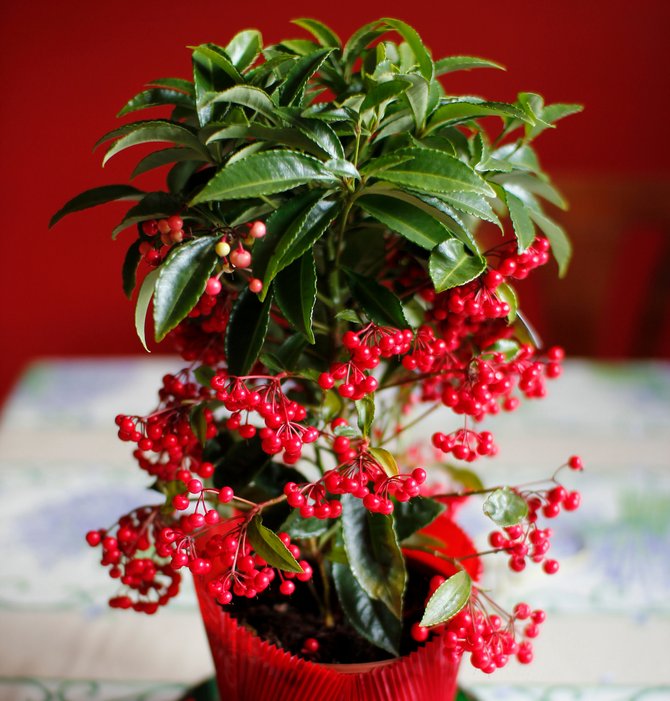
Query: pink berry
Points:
[213, 286]
[240, 258]
[255, 285]
[257, 230]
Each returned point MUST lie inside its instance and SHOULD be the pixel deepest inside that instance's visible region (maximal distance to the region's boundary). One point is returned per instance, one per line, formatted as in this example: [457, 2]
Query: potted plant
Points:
[334, 258]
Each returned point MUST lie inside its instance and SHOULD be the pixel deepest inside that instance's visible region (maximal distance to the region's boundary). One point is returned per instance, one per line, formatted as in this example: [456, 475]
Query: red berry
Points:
[311, 645]
[575, 463]
[240, 258]
[257, 230]
[213, 286]
[255, 285]
[419, 633]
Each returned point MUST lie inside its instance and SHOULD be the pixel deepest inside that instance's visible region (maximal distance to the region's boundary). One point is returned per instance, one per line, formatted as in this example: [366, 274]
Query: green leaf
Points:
[525, 331]
[295, 292]
[342, 168]
[413, 515]
[382, 92]
[410, 35]
[298, 527]
[154, 205]
[264, 174]
[506, 293]
[212, 73]
[409, 221]
[378, 302]
[357, 43]
[247, 96]
[348, 315]
[185, 86]
[246, 331]
[321, 134]
[385, 459]
[204, 375]
[473, 204]
[290, 351]
[505, 507]
[463, 63]
[434, 171]
[417, 96]
[300, 237]
[448, 599]
[156, 131]
[369, 617]
[521, 221]
[181, 282]
[347, 431]
[365, 409]
[466, 478]
[331, 406]
[244, 47]
[96, 196]
[156, 159]
[239, 464]
[451, 265]
[373, 552]
[561, 247]
[324, 35]
[129, 271]
[142, 305]
[157, 97]
[459, 110]
[198, 422]
[267, 544]
[293, 86]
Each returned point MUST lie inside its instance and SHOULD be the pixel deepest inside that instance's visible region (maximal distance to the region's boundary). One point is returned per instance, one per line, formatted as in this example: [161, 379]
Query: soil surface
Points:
[289, 621]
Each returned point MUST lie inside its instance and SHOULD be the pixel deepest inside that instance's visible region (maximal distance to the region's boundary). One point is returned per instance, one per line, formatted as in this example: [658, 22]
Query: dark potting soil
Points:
[288, 621]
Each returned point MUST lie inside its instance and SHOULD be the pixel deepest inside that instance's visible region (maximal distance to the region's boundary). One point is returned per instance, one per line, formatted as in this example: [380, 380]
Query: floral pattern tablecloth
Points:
[62, 471]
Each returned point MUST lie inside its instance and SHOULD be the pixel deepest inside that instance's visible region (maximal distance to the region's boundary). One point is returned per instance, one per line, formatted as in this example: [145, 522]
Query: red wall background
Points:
[67, 68]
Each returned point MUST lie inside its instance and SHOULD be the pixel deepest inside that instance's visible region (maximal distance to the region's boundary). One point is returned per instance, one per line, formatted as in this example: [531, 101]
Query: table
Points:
[62, 471]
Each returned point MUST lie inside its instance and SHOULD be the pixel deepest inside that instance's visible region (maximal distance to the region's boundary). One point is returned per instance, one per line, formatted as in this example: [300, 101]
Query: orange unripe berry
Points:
[255, 285]
[163, 226]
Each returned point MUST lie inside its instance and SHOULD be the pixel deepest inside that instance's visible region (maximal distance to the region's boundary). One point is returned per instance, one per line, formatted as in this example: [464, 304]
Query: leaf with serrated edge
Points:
[448, 599]
[521, 221]
[142, 305]
[505, 507]
[295, 292]
[386, 461]
[449, 64]
[451, 265]
[267, 544]
[95, 197]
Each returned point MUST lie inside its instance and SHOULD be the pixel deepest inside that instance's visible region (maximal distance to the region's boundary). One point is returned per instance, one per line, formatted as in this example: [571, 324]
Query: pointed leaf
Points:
[451, 265]
[246, 331]
[129, 270]
[505, 507]
[198, 422]
[320, 133]
[142, 305]
[378, 302]
[461, 110]
[156, 159]
[409, 221]
[342, 168]
[561, 247]
[268, 545]
[463, 63]
[365, 408]
[157, 97]
[382, 92]
[373, 552]
[96, 196]
[181, 282]
[385, 460]
[247, 96]
[506, 293]
[413, 515]
[521, 221]
[357, 43]
[295, 291]
[448, 599]
[472, 203]
[244, 47]
[369, 617]
[293, 85]
[298, 527]
[435, 172]
[410, 35]
[264, 174]
[323, 34]
[185, 86]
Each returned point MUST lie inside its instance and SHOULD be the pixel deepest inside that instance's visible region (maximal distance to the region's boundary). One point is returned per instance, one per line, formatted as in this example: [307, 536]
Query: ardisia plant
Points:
[334, 258]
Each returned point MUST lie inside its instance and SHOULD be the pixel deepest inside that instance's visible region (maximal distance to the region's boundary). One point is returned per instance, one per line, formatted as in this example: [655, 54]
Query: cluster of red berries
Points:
[127, 551]
[263, 395]
[235, 256]
[167, 448]
[160, 235]
[466, 444]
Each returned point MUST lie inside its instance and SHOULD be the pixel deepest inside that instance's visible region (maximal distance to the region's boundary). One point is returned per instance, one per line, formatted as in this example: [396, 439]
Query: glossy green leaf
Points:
[378, 302]
[244, 47]
[267, 544]
[212, 72]
[373, 552]
[247, 96]
[182, 278]
[365, 408]
[185, 86]
[536, 185]
[472, 203]
[293, 86]
[245, 333]
[369, 617]
[348, 315]
[198, 422]
[451, 264]
[463, 63]
[298, 527]
[321, 134]
[158, 131]
[264, 174]
[385, 460]
[142, 304]
[448, 599]
[379, 165]
[505, 293]
[410, 35]
[347, 431]
[323, 34]
[157, 97]
[505, 507]
[460, 110]
[218, 60]
[300, 237]
[295, 292]
[417, 95]
[409, 221]
[561, 247]
[342, 168]
[413, 515]
[129, 270]
[95, 197]
[357, 43]
[382, 92]
[434, 171]
[521, 221]
[165, 156]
